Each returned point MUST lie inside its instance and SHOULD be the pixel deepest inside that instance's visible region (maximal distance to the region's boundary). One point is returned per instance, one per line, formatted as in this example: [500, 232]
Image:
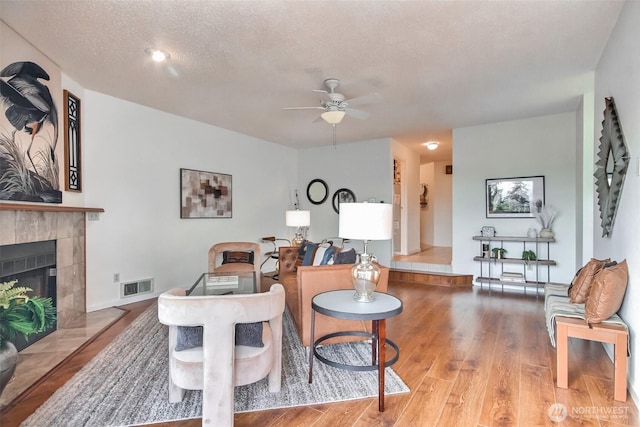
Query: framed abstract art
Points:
[205, 194]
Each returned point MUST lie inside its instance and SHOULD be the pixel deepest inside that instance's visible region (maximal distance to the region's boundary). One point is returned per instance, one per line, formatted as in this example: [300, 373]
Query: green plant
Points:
[23, 314]
[528, 255]
[498, 252]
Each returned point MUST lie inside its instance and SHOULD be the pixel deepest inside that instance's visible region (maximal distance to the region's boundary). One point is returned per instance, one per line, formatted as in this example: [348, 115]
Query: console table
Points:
[340, 304]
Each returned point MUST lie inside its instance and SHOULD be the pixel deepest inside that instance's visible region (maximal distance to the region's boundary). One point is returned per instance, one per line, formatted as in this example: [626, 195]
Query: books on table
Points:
[222, 281]
[512, 277]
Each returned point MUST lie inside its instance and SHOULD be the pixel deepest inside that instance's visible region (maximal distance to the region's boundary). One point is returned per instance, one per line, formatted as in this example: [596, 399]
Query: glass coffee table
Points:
[224, 283]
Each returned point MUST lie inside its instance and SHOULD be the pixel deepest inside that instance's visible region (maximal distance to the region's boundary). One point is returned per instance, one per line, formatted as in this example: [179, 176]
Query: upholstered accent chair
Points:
[217, 258]
[220, 364]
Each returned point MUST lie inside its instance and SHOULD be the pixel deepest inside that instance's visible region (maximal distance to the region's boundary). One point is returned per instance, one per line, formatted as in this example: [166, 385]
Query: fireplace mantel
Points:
[46, 208]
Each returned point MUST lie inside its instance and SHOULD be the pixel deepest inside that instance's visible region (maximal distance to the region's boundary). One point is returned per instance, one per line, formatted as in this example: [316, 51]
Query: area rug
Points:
[126, 383]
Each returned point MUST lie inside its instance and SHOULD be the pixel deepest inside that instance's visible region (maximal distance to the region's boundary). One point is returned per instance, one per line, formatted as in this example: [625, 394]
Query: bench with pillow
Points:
[587, 309]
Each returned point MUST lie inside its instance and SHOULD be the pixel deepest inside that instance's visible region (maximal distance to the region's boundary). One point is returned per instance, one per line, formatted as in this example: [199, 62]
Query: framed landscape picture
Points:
[521, 197]
[205, 194]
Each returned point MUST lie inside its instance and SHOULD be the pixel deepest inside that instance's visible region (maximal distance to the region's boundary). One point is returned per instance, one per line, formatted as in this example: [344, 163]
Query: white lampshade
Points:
[298, 218]
[365, 221]
[333, 117]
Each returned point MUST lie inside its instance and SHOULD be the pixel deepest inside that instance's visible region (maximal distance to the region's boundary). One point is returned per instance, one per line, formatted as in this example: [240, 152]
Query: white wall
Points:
[537, 146]
[410, 206]
[585, 188]
[363, 167]
[618, 75]
[442, 204]
[436, 218]
[132, 160]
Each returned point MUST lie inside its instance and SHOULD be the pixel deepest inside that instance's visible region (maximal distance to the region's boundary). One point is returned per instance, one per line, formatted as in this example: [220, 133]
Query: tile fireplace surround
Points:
[66, 225]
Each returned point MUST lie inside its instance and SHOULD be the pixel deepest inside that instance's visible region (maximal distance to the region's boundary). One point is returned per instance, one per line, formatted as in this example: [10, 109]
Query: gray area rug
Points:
[126, 383]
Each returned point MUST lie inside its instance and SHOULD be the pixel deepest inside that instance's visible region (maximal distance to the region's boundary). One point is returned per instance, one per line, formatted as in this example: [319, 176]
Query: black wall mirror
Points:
[343, 195]
[611, 166]
[317, 191]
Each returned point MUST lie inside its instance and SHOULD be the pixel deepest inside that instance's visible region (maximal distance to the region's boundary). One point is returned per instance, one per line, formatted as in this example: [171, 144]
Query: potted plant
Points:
[19, 314]
[498, 252]
[545, 218]
[528, 255]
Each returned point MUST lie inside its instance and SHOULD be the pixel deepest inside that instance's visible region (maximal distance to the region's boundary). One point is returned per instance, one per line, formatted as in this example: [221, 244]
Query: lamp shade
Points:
[298, 218]
[365, 221]
[333, 117]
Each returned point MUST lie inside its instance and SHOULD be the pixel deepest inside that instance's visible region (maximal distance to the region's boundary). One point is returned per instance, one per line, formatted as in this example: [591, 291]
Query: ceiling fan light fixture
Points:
[431, 145]
[333, 117]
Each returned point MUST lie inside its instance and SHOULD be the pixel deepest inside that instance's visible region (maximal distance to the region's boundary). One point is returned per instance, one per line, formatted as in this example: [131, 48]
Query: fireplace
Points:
[65, 226]
[33, 265]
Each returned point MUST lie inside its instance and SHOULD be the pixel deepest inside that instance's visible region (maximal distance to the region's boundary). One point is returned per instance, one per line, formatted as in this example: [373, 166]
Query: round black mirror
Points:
[343, 195]
[317, 191]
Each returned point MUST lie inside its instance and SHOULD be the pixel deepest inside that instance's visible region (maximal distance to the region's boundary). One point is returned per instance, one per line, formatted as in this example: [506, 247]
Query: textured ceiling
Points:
[437, 65]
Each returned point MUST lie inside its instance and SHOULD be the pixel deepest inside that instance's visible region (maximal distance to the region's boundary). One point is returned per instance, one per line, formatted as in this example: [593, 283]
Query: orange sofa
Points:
[302, 283]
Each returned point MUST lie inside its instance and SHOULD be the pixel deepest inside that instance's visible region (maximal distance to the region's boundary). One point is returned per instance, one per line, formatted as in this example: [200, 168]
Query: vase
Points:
[547, 233]
[532, 233]
[365, 277]
[8, 360]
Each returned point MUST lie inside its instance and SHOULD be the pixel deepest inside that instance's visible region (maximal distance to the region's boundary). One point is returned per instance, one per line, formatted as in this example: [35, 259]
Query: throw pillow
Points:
[189, 337]
[345, 257]
[579, 289]
[302, 250]
[242, 257]
[328, 254]
[607, 292]
[319, 255]
[310, 250]
[249, 334]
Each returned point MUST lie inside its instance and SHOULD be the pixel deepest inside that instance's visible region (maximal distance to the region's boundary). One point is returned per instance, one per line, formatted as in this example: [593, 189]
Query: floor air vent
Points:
[129, 289]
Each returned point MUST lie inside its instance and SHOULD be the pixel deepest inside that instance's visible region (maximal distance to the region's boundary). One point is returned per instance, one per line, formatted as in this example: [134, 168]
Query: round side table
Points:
[340, 304]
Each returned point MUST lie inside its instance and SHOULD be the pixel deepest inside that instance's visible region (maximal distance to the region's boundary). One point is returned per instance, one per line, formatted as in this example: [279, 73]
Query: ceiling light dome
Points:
[157, 55]
[431, 145]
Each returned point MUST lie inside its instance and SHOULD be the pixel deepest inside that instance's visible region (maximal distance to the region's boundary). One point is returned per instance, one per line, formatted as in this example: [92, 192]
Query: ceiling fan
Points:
[336, 106]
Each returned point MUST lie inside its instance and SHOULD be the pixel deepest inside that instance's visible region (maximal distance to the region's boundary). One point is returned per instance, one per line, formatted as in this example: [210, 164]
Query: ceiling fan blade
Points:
[358, 114]
[365, 99]
[324, 95]
[304, 108]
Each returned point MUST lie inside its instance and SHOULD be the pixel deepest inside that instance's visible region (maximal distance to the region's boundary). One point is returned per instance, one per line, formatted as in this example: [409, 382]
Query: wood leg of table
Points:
[562, 357]
[381, 361]
[311, 344]
[620, 368]
[374, 342]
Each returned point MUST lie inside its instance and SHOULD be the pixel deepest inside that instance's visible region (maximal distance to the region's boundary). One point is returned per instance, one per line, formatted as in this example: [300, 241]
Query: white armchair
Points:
[219, 364]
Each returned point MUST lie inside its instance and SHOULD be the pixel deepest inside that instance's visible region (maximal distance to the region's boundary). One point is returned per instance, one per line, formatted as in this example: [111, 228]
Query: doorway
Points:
[397, 206]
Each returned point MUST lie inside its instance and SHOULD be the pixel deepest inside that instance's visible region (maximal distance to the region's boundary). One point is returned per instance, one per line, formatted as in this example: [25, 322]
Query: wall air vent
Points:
[128, 289]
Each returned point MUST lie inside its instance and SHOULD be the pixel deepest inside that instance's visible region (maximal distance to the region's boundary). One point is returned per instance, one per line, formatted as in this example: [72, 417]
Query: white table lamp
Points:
[300, 220]
[365, 221]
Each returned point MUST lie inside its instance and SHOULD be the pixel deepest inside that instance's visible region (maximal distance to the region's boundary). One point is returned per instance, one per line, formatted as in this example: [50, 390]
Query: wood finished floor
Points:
[469, 358]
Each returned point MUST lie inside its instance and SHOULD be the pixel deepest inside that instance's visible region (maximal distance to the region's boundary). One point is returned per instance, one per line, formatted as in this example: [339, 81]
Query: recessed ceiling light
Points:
[157, 55]
[431, 145]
